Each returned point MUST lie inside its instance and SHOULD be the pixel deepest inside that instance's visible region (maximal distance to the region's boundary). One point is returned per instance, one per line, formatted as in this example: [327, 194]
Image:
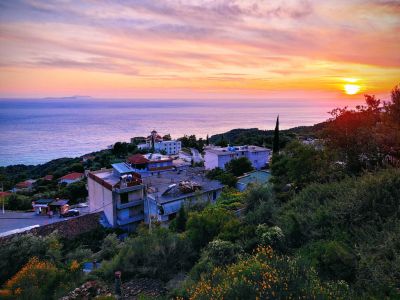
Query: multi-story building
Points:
[167, 192]
[155, 142]
[169, 147]
[128, 198]
[218, 157]
[119, 193]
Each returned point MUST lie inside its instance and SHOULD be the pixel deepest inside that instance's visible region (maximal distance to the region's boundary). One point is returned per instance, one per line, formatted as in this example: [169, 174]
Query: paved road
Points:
[12, 220]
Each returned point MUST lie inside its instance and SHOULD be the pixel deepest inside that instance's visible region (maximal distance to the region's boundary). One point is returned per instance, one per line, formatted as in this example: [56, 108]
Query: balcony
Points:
[128, 188]
[132, 219]
[130, 204]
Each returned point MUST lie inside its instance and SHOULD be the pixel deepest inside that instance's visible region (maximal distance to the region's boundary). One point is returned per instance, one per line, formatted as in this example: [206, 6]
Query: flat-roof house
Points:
[254, 177]
[168, 191]
[218, 157]
[71, 178]
[45, 206]
[127, 197]
[119, 193]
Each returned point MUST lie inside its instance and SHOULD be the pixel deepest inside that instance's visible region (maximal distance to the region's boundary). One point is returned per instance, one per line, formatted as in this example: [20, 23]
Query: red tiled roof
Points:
[72, 176]
[23, 184]
[137, 159]
[5, 194]
[48, 177]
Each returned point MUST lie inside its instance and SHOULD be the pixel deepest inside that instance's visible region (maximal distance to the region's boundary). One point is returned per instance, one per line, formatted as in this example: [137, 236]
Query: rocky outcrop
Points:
[130, 289]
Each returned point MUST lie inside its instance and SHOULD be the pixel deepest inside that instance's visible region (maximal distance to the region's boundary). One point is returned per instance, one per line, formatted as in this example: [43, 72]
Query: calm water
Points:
[36, 131]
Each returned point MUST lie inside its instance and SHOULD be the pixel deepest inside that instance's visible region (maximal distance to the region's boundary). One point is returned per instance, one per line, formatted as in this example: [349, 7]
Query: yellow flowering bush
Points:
[34, 280]
[265, 275]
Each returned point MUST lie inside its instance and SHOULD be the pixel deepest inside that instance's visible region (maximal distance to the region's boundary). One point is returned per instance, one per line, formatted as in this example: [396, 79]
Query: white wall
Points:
[210, 160]
[101, 199]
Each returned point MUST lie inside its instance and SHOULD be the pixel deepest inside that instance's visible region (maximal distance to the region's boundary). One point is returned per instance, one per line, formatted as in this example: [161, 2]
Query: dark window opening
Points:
[124, 198]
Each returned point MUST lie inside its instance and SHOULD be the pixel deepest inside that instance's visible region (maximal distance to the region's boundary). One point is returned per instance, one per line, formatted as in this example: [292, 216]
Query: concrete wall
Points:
[101, 199]
[68, 228]
[210, 160]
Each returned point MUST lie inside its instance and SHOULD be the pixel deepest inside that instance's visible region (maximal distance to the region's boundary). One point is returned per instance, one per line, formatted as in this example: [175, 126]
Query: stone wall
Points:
[67, 228]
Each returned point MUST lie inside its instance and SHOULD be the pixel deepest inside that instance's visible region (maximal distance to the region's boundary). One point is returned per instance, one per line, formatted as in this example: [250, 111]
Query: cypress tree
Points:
[275, 147]
[207, 140]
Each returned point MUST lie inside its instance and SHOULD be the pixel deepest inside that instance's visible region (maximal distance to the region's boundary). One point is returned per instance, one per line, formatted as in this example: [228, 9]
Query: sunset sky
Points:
[199, 49]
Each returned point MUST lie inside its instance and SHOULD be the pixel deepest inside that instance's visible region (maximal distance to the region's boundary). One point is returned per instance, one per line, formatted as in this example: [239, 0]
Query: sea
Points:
[34, 131]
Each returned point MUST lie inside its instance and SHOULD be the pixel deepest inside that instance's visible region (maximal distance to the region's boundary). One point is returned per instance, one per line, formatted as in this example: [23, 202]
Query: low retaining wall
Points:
[67, 228]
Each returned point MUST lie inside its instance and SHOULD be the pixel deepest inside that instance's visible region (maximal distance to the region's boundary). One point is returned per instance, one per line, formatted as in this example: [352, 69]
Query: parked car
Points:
[70, 213]
[82, 205]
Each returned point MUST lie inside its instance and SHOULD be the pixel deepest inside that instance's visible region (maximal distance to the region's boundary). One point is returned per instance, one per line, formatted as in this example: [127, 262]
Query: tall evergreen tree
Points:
[275, 147]
[207, 140]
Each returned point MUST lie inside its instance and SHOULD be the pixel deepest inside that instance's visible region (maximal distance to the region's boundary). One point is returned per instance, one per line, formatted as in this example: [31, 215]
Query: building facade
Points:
[119, 193]
[156, 143]
[128, 198]
[218, 157]
[169, 147]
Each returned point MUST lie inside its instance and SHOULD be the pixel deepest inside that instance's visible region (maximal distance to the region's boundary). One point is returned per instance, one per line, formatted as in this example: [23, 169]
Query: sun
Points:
[351, 89]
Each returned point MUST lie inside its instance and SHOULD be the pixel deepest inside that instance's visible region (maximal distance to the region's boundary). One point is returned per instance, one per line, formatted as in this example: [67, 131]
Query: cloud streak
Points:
[199, 44]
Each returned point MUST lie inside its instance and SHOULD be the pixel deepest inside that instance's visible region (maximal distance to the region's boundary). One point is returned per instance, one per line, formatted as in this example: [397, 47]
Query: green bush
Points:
[156, 254]
[18, 202]
[203, 226]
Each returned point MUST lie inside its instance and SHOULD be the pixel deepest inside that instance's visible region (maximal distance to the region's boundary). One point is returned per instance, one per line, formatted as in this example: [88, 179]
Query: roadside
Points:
[14, 220]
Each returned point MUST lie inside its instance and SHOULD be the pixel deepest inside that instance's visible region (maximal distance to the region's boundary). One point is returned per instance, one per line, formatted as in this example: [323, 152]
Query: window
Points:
[124, 198]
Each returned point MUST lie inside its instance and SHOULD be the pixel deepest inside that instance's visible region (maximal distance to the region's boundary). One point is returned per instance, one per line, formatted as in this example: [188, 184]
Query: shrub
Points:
[36, 280]
[239, 166]
[156, 254]
[18, 202]
[17, 252]
[265, 276]
[203, 226]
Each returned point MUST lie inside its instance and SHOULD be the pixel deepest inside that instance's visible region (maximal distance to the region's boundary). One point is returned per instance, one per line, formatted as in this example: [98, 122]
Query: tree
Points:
[109, 247]
[222, 142]
[76, 167]
[181, 220]
[120, 149]
[203, 226]
[18, 202]
[239, 166]
[207, 140]
[167, 137]
[275, 148]
[75, 192]
[224, 177]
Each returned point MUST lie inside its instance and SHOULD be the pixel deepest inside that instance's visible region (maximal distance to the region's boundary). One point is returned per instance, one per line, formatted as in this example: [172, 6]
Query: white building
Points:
[119, 193]
[218, 157]
[170, 147]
